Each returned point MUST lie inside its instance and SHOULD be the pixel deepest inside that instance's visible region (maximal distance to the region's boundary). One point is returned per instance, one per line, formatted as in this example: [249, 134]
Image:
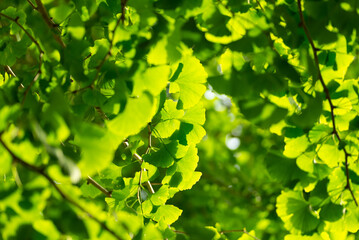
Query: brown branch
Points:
[123, 10]
[260, 5]
[41, 53]
[32, 5]
[327, 95]
[90, 180]
[42, 172]
[42, 10]
[15, 20]
[180, 232]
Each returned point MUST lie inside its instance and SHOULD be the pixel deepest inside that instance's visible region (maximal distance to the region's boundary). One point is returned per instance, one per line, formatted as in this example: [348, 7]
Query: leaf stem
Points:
[90, 180]
[11, 72]
[327, 95]
[139, 158]
[42, 172]
[99, 66]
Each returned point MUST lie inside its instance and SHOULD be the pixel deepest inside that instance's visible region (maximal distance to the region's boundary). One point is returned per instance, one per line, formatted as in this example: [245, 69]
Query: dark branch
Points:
[42, 10]
[123, 10]
[15, 20]
[327, 95]
[32, 5]
[42, 172]
[41, 53]
[260, 5]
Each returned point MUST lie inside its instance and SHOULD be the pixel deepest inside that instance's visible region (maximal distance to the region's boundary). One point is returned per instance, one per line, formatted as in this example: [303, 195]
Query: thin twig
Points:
[15, 173]
[42, 172]
[327, 95]
[38, 73]
[99, 66]
[15, 20]
[42, 10]
[90, 180]
[149, 146]
[12, 73]
[32, 5]
[139, 189]
[41, 53]
[180, 232]
[156, 184]
[139, 158]
[148, 183]
[101, 113]
[260, 5]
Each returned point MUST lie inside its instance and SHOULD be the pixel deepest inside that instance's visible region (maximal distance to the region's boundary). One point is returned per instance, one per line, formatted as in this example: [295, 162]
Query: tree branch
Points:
[42, 172]
[123, 10]
[327, 95]
[32, 5]
[42, 10]
[15, 20]
[41, 53]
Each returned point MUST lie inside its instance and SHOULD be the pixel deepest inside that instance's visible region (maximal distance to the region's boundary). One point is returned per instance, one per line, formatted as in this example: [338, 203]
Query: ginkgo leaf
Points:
[137, 113]
[195, 115]
[160, 197]
[153, 79]
[342, 106]
[299, 237]
[295, 146]
[188, 163]
[167, 154]
[191, 81]
[306, 161]
[282, 169]
[330, 154]
[353, 70]
[167, 214]
[296, 212]
[319, 132]
[169, 121]
[94, 156]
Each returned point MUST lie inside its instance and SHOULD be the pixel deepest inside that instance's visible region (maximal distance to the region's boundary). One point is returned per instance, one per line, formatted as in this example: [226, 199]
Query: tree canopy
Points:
[188, 119]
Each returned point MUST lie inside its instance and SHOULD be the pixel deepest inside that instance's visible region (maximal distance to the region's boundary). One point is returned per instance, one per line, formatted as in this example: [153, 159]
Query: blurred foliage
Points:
[105, 133]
